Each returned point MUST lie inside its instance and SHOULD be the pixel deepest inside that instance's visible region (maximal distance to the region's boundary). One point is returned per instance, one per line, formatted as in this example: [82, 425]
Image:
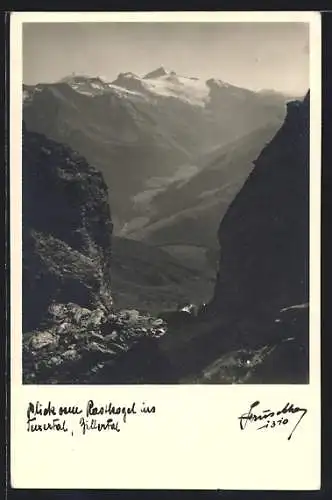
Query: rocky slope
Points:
[150, 279]
[72, 330]
[66, 230]
[70, 327]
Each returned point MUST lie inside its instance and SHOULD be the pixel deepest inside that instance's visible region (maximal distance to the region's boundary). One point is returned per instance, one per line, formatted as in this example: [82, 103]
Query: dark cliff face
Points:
[264, 236]
[66, 230]
[255, 329]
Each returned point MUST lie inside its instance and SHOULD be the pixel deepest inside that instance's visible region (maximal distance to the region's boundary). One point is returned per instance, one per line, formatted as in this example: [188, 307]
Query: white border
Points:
[194, 441]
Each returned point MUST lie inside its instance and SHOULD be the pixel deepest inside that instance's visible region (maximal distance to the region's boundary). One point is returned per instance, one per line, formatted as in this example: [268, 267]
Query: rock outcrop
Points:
[79, 345]
[66, 230]
[72, 332]
[264, 236]
[255, 329]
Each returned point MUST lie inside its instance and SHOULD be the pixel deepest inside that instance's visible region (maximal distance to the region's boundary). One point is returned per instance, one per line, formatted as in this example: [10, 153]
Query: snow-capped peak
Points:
[160, 82]
[159, 72]
[88, 85]
[164, 83]
[73, 78]
[217, 83]
[127, 74]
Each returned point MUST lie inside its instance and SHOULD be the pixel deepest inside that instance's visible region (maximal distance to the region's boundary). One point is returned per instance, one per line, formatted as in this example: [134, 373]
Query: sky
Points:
[251, 55]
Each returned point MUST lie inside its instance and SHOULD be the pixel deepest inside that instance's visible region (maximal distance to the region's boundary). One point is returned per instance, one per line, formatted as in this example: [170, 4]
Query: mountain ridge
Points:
[131, 137]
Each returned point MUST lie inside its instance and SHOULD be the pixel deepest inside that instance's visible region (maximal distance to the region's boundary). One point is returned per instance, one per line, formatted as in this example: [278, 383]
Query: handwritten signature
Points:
[272, 419]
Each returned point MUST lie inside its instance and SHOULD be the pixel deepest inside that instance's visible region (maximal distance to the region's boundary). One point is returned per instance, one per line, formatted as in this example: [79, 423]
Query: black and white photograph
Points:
[165, 176]
[165, 203]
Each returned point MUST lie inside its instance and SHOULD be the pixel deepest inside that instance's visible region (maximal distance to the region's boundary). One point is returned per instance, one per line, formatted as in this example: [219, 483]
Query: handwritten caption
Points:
[90, 417]
[269, 419]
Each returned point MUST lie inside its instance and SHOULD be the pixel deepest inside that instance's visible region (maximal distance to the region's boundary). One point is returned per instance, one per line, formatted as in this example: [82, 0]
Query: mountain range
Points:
[125, 185]
[173, 150]
[141, 132]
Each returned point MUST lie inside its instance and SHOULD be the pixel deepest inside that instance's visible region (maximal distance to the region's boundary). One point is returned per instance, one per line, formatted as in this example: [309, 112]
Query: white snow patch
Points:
[195, 92]
[96, 86]
[123, 91]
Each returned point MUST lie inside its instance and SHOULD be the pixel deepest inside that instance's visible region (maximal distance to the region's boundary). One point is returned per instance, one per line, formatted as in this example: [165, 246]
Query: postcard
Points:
[165, 176]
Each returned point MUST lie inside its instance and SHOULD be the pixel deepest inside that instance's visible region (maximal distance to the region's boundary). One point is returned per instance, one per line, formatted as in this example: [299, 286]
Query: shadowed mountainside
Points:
[188, 211]
[261, 293]
[264, 237]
